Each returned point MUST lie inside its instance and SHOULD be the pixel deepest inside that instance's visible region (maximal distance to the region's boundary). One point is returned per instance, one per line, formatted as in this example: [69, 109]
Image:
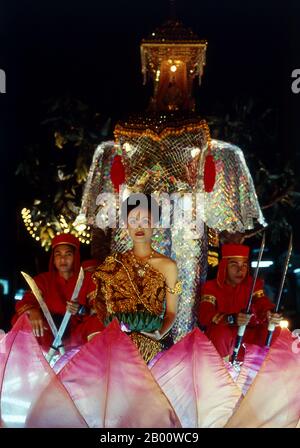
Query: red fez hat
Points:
[235, 250]
[65, 238]
[230, 251]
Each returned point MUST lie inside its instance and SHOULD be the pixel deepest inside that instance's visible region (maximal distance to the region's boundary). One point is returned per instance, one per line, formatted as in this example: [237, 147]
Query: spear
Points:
[242, 328]
[271, 326]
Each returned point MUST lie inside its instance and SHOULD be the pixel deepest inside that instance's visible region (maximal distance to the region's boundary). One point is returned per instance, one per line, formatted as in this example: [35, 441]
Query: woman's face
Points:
[140, 225]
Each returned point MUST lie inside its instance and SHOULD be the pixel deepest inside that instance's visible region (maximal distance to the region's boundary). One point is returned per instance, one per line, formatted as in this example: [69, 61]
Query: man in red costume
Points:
[57, 286]
[224, 301]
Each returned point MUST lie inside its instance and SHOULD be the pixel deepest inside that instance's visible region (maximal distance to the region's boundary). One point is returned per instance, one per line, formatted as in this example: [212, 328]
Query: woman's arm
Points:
[169, 269]
[172, 291]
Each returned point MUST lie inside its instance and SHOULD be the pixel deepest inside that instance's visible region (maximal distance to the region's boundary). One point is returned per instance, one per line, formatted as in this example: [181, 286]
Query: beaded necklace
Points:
[141, 267]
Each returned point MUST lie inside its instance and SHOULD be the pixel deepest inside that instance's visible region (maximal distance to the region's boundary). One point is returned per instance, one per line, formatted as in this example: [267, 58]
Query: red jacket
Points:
[218, 301]
[56, 291]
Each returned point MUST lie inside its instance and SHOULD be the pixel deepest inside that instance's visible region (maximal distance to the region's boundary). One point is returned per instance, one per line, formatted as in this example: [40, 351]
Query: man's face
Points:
[139, 225]
[237, 269]
[64, 258]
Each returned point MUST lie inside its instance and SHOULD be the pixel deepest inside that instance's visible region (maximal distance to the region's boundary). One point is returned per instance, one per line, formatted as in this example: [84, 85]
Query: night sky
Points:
[90, 49]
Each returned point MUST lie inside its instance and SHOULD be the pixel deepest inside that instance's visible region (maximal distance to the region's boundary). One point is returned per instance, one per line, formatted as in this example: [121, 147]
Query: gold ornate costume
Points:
[137, 301]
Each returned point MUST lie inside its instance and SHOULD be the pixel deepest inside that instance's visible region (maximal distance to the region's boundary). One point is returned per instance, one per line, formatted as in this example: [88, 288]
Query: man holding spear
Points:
[224, 301]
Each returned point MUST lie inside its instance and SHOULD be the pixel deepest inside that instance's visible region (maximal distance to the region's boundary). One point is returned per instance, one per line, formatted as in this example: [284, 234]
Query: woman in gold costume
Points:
[139, 287]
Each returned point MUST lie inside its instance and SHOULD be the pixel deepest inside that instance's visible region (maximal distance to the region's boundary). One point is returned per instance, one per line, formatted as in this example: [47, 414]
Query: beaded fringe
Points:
[147, 347]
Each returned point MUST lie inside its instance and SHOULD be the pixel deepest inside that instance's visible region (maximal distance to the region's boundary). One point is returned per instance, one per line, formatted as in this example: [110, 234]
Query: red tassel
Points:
[209, 173]
[117, 172]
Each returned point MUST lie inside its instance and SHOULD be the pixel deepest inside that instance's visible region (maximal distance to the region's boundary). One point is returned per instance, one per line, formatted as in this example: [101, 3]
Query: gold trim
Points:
[176, 290]
[237, 256]
[217, 318]
[66, 243]
[90, 336]
[208, 298]
[148, 348]
[184, 42]
[158, 136]
[258, 294]
[111, 259]
[212, 261]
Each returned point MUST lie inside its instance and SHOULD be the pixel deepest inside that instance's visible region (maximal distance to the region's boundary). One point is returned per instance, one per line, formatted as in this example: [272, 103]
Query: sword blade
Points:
[58, 338]
[286, 266]
[271, 326]
[261, 251]
[78, 285]
[242, 328]
[37, 294]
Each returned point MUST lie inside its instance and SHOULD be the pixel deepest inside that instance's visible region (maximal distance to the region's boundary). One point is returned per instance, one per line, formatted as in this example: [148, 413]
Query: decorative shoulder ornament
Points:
[111, 259]
[176, 290]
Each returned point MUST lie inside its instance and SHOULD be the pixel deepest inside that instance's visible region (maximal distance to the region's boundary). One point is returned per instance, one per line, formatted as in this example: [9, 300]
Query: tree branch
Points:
[278, 199]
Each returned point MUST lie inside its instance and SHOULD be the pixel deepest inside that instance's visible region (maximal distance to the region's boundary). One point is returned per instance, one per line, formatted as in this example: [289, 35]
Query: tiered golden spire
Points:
[173, 56]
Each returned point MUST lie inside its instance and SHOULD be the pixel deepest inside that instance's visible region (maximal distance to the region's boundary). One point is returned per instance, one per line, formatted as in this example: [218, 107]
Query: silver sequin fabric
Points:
[175, 164]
